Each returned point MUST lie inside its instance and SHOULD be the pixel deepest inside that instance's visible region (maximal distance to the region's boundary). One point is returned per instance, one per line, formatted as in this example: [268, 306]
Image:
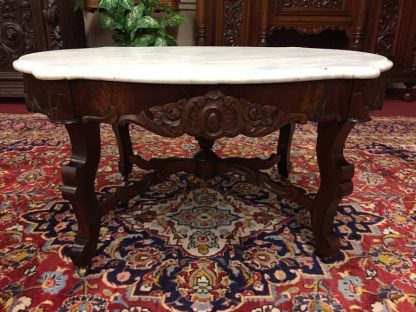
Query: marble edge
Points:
[372, 71]
[370, 74]
[17, 66]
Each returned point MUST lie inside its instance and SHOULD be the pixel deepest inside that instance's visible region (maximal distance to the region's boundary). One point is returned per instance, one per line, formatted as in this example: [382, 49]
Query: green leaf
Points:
[160, 41]
[175, 19]
[120, 39]
[108, 4]
[152, 3]
[126, 4]
[108, 22]
[144, 41]
[165, 7]
[148, 22]
[131, 22]
[171, 41]
[149, 5]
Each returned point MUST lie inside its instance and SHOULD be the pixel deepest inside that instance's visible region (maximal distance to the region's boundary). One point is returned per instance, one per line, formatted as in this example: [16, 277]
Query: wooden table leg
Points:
[78, 187]
[336, 174]
[408, 94]
[125, 149]
[284, 146]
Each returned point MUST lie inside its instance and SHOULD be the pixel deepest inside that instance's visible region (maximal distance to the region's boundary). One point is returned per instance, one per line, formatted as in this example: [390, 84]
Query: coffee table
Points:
[208, 93]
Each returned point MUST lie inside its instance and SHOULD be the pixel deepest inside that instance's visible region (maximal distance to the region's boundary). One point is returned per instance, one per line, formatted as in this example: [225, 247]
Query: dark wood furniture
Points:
[222, 107]
[36, 25]
[395, 37]
[386, 27]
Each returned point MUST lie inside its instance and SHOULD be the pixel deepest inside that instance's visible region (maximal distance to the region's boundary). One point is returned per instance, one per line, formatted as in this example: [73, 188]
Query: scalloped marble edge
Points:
[202, 65]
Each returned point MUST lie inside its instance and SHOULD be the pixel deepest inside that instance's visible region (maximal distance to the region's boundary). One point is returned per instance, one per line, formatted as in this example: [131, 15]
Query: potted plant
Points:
[93, 4]
[140, 22]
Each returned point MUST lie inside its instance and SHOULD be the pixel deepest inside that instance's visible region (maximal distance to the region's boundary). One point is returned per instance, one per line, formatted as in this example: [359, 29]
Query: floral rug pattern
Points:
[208, 245]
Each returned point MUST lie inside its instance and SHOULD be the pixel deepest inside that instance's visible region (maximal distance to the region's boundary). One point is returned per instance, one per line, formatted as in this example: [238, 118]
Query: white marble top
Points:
[202, 65]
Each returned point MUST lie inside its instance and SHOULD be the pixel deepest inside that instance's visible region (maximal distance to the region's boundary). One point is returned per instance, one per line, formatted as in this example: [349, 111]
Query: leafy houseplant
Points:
[137, 23]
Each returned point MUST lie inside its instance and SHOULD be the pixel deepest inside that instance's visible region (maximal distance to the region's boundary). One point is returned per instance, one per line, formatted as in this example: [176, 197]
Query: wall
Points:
[97, 37]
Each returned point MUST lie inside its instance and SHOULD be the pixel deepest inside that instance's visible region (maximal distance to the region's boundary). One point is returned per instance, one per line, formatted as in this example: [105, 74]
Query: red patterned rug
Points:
[216, 245]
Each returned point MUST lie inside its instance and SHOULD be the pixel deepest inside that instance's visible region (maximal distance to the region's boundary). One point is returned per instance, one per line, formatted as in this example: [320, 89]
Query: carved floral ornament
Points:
[308, 30]
[313, 3]
[8, 8]
[11, 34]
[233, 18]
[389, 22]
[213, 116]
[51, 16]
[16, 30]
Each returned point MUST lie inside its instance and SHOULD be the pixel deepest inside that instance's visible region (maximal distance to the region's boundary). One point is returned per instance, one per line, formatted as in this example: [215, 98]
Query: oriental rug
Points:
[208, 245]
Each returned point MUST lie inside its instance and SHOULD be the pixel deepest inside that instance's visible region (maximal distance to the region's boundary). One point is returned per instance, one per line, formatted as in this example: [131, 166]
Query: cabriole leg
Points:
[284, 165]
[336, 174]
[408, 95]
[78, 187]
[125, 148]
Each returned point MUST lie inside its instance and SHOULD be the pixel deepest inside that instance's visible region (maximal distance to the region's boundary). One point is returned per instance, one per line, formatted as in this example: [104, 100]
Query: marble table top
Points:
[202, 65]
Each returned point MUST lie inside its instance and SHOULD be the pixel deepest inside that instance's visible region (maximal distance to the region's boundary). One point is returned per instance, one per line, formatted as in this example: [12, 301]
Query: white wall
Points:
[96, 36]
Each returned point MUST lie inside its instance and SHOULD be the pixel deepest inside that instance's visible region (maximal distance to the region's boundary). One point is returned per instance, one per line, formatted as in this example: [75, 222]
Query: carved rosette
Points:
[389, 19]
[213, 116]
[16, 31]
[313, 4]
[51, 17]
[233, 11]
